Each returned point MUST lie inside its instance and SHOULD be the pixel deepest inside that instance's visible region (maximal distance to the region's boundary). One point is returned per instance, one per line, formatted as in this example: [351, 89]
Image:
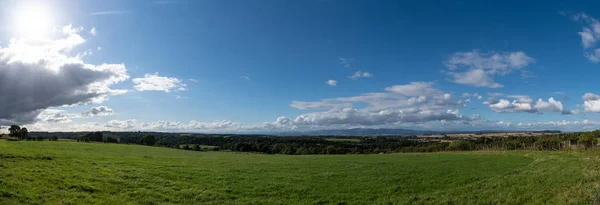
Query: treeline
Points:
[563, 141]
[306, 145]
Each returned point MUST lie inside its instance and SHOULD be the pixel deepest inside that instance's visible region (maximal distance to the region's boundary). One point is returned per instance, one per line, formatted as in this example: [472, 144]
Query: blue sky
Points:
[248, 66]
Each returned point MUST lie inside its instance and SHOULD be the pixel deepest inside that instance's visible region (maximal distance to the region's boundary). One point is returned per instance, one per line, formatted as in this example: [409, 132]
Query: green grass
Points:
[94, 173]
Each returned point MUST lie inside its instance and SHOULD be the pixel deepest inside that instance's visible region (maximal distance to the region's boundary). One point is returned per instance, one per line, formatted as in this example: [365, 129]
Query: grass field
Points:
[93, 173]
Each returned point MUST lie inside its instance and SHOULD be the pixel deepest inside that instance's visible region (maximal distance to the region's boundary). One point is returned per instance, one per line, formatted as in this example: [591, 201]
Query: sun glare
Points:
[32, 20]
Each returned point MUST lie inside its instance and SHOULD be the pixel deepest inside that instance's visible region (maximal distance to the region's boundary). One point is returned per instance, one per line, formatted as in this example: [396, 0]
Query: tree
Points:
[95, 136]
[24, 133]
[148, 140]
[110, 140]
[14, 131]
[196, 147]
[186, 147]
[588, 139]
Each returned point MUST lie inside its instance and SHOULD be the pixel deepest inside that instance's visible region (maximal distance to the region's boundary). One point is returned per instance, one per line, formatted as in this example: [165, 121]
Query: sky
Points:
[233, 66]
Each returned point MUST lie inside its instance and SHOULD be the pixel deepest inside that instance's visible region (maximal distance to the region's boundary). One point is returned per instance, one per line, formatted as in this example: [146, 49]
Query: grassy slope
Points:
[84, 173]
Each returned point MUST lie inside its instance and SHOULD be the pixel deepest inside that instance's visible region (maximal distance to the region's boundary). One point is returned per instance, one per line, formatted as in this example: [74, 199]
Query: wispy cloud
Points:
[478, 68]
[163, 2]
[346, 62]
[246, 77]
[179, 97]
[110, 12]
[590, 35]
[359, 74]
[193, 80]
[93, 31]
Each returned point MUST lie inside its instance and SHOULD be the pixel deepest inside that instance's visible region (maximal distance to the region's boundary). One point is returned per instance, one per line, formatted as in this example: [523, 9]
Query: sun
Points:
[32, 20]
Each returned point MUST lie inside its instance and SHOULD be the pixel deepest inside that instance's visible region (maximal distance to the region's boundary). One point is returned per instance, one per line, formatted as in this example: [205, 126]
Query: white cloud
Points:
[476, 68]
[477, 78]
[591, 102]
[319, 105]
[359, 74]
[93, 31]
[99, 48]
[364, 117]
[522, 103]
[346, 62]
[590, 35]
[109, 12]
[135, 125]
[468, 95]
[550, 106]
[495, 94]
[332, 82]
[193, 80]
[415, 89]
[416, 102]
[594, 55]
[41, 73]
[154, 82]
[575, 125]
[246, 77]
[97, 111]
[53, 116]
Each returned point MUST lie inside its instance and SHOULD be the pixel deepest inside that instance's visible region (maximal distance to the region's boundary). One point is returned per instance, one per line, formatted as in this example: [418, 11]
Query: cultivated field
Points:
[94, 173]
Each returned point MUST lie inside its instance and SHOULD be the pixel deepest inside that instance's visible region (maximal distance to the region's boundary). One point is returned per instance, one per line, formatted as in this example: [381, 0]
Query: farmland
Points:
[58, 172]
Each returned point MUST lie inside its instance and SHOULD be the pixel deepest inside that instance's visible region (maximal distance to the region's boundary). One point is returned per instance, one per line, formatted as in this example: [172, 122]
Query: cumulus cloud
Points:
[523, 103]
[359, 74]
[154, 82]
[477, 69]
[416, 102]
[591, 102]
[176, 126]
[332, 82]
[97, 111]
[54, 116]
[477, 78]
[351, 116]
[42, 73]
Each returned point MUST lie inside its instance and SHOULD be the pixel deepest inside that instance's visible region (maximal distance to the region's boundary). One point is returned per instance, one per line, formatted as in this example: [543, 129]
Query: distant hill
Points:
[360, 131]
[348, 132]
[363, 131]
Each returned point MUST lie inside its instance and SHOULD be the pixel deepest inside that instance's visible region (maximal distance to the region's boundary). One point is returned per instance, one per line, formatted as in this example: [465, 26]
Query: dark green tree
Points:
[196, 147]
[148, 140]
[14, 131]
[23, 133]
[95, 136]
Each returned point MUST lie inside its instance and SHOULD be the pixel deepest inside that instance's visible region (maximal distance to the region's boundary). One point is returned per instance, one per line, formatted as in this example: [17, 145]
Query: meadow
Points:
[59, 172]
